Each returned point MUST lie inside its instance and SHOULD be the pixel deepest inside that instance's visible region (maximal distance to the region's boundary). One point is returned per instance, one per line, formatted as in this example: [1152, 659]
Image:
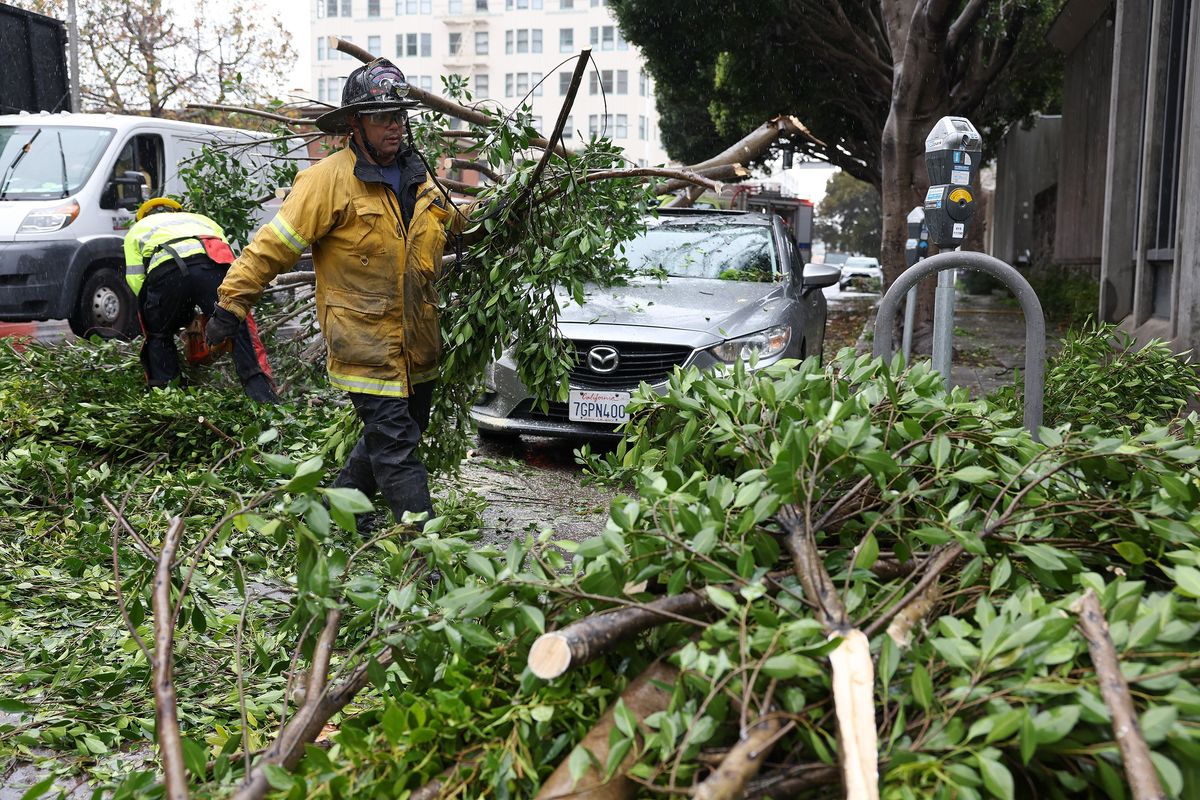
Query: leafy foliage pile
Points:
[988, 692]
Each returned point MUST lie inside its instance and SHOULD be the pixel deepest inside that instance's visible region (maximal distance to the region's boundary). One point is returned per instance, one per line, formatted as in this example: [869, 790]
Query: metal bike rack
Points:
[1035, 321]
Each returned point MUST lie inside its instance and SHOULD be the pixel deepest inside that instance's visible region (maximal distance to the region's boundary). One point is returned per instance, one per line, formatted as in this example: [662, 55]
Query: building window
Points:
[481, 43]
[321, 43]
[414, 7]
[375, 46]
[535, 40]
[566, 40]
[521, 5]
[321, 91]
[346, 10]
[518, 83]
[399, 45]
[642, 126]
[535, 80]
[622, 81]
[331, 8]
[426, 45]
[564, 83]
[522, 83]
[604, 80]
[622, 126]
[566, 5]
[410, 45]
[454, 7]
[508, 42]
[508, 84]
[621, 43]
[643, 82]
[372, 8]
[481, 5]
[427, 83]
[568, 131]
[599, 3]
[523, 40]
[481, 87]
[455, 44]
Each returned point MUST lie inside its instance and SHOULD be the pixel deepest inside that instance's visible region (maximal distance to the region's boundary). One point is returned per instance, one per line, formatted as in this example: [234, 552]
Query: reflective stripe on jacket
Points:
[147, 236]
[376, 301]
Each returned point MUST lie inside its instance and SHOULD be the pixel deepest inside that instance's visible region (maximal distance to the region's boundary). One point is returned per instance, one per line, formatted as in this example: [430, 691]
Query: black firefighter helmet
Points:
[377, 86]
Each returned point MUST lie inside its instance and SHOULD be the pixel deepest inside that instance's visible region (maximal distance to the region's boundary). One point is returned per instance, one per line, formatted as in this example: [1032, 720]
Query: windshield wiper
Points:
[62, 155]
[12, 165]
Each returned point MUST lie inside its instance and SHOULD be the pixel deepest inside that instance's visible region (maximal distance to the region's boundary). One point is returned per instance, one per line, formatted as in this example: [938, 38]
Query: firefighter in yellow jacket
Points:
[377, 224]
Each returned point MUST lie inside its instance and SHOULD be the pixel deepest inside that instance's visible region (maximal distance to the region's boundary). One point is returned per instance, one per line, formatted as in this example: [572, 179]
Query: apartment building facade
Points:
[511, 52]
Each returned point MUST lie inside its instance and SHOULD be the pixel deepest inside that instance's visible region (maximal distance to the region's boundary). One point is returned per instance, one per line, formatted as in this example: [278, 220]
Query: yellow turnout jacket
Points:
[376, 301]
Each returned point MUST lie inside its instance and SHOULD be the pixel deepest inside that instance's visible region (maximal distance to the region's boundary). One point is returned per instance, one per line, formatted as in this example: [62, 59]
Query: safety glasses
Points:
[384, 118]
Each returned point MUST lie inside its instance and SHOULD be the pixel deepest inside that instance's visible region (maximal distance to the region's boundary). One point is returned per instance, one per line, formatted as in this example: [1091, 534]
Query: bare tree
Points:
[145, 56]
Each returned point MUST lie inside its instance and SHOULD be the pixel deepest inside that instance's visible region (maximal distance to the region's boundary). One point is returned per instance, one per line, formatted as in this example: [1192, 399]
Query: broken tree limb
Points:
[553, 653]
[1139, 769]
[431, 100]
[253, 112]
[756, 143]
[900, 629]
[556, 135]
[475, 166]
[853, 669]
[166, 711]
[741, 763]
[574, 645]
[854, 701]
[649, 693]
[723, 173]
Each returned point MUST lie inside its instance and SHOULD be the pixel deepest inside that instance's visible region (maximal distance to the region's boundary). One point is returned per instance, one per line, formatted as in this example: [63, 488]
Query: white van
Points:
[69, 185]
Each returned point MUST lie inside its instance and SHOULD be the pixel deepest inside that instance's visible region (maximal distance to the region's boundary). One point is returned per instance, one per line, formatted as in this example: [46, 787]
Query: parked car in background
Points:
[862, 272]
[835, 258]
[711, 288]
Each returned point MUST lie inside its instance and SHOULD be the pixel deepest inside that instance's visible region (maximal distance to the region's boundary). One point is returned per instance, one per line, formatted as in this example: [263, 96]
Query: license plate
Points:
[588, 406]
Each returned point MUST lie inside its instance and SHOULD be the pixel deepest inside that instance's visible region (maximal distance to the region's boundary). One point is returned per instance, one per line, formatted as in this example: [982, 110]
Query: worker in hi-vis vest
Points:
[174, 261]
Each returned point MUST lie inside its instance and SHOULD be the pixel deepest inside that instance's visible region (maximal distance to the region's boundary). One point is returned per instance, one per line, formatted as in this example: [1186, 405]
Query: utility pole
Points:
[73, 50]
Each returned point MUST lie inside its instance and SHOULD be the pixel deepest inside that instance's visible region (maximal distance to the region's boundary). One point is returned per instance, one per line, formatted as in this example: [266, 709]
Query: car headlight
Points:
[48, 220]
[770, 342]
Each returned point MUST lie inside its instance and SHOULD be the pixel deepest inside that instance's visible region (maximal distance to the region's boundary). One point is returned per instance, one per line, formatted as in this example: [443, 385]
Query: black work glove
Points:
[221, 325]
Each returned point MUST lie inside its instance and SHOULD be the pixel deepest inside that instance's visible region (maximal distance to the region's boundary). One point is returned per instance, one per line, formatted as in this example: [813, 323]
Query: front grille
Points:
[557, 412]
[637, 362]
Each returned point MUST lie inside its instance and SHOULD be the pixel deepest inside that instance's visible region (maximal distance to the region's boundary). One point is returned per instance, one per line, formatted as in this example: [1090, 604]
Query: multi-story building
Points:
[511, 51]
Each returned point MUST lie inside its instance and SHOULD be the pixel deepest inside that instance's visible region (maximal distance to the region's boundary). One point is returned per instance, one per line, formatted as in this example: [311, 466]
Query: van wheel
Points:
[106, 307]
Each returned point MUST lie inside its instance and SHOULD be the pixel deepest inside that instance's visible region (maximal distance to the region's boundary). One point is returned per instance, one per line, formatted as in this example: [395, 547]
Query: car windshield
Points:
[32, 165]
[704, 250]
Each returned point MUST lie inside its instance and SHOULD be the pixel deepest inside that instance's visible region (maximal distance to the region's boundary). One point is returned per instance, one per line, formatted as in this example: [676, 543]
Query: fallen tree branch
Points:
[722, 172]
[553, 653]
[741, 763]
[475, 166]
[166, 712]
[433, 101]
[649, 693]
[1139, 768]
[253, 112]
[564, 112]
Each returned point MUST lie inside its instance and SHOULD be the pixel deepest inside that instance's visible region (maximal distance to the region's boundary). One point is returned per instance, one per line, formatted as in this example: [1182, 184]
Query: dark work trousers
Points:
[167, 302]
[384, 458]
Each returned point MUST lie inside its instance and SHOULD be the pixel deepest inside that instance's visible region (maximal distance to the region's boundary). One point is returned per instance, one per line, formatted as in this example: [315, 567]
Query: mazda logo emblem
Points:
[603, 359]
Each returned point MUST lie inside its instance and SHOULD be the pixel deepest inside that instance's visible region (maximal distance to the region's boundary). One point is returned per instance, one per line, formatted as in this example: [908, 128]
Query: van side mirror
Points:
[130, 200]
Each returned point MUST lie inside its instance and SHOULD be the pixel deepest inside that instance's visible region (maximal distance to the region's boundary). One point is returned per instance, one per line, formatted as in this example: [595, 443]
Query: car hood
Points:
[722, 308]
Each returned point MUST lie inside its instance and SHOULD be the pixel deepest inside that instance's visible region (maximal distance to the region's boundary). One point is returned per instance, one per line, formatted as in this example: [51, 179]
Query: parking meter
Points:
[952, 155]
[916, 246]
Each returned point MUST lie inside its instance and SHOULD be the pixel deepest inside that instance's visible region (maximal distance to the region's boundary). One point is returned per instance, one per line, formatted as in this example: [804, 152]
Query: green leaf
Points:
[1055, 723]
[38, 789]
[307, 476]
[973, 475]
[1187, 581]
[278, 777]
[1131, 552]
[996, 777]
[721, 598]
[922, 686]
[195, 758]
[349, 501]
[791, 665]
[578, 763]
[616, 755]
[624, 719]
[868, 553]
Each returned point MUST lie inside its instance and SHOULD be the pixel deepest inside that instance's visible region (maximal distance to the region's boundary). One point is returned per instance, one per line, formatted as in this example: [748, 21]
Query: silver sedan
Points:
[710, 288]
